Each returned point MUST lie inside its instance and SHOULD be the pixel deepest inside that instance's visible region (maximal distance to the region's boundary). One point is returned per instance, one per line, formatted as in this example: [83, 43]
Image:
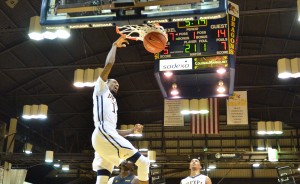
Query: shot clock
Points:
[195, 23]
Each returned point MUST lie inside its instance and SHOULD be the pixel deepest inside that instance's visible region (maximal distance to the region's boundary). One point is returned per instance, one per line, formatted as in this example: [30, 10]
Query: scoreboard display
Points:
[199, 38]
[196, 38]
[195, 50]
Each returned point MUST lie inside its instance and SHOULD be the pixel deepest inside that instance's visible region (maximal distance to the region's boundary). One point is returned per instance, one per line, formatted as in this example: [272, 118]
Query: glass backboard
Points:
[100, 13]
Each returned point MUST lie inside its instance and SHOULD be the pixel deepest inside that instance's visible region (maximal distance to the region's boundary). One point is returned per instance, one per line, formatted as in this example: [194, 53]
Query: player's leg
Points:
[103, 169]
[129, 152]
[101, 164]
[102, 176]
[143, 164]
[115, 148]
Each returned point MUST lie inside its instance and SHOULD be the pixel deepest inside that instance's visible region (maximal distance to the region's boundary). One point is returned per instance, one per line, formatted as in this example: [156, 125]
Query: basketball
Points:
[154, 42]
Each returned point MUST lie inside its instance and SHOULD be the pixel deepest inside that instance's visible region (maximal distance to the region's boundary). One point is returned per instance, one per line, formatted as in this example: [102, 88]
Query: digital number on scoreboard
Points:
[196, 38]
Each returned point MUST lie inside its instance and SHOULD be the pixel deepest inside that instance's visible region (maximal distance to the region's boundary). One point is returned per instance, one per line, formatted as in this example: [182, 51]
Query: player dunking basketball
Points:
[111, 148]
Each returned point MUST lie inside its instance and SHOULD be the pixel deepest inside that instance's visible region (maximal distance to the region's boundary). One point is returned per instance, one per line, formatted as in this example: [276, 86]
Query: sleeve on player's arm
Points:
[100, 86]
[110, 181]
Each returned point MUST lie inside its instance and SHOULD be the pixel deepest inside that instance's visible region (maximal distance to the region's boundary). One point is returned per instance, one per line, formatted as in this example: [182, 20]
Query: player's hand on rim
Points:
[121, 42]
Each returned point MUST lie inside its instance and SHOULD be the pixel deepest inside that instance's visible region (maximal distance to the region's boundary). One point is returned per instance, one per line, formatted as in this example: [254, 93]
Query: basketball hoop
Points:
[138, 32]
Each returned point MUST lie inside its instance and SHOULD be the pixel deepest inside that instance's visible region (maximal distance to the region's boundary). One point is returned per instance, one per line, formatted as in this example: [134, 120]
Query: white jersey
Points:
[199, 179]
[105, 105]
[111, 148]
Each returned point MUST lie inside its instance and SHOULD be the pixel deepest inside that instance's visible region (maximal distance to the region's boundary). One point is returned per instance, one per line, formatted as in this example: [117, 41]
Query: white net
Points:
[138, 32]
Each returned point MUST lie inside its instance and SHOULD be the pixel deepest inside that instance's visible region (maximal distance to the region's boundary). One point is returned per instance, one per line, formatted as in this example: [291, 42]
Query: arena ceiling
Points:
[41, 72]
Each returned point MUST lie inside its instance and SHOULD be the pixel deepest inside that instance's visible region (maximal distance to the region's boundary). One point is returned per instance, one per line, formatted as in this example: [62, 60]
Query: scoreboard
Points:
[200, 38]
[196, 38]
[195, 49]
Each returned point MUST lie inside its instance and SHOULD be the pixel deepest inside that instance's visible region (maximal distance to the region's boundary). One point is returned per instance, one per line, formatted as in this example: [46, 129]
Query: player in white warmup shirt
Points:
[111, 148]
[195, 176]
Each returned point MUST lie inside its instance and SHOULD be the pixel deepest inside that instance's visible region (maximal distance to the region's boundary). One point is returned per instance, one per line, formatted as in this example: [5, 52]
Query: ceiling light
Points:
[78, 78]
[34, 111]
[270, 127]
[37, 32]
[63, 33]
[256, 165]
[194, 104]
[185, 106]
[65, 167]
[143, 145]
[152, 156]
[88, 78]
[212, 166]
[260, 144]
[221, 88]
[168, 74]
[203, 106]
[49, 156]
[278, 127]
[284, 68]
[97, 73]
[49, 34]
[221, 70]
[35, 29]
[295, 67]
[26, 112]
[174, 90]
[28, 148]
[56, 164]
[261, 127]
[42, 111]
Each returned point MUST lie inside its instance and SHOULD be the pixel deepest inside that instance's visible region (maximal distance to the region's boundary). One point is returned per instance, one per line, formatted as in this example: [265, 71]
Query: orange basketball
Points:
[154, 42]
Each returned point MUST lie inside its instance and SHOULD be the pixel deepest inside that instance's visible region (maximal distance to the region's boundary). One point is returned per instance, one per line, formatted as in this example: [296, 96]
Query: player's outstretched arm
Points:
[111, 57]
